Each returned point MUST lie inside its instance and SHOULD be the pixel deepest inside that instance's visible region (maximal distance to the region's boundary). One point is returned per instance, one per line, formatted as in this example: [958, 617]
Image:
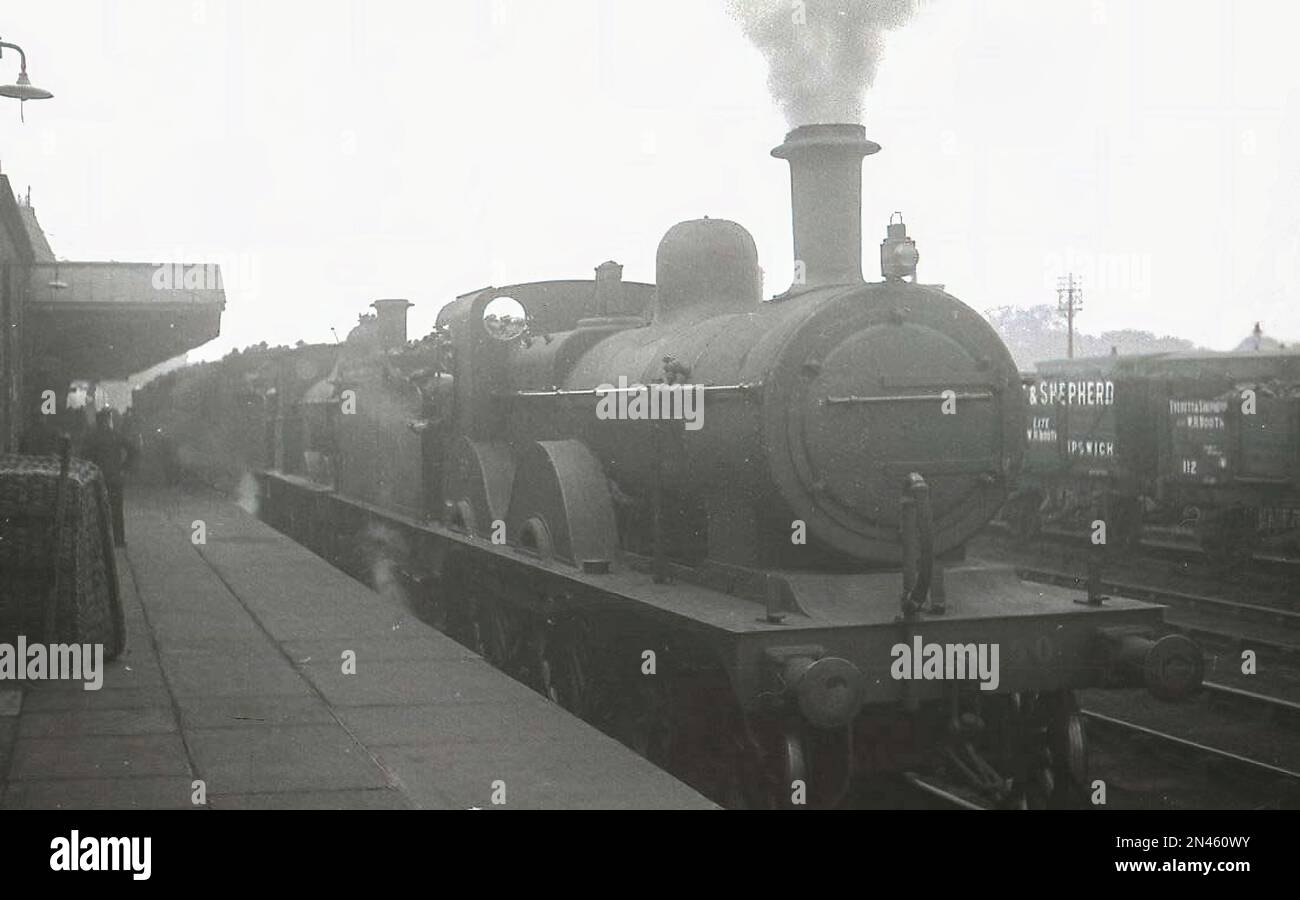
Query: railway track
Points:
[1242, 612]
[1213, 621]
[936, 796]
[1159, 542]
[1261, 784]
[1269, 785]
[1221, 609]
[1275, 710]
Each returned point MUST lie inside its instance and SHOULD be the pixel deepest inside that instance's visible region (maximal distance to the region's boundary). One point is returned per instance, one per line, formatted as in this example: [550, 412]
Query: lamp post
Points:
[21, 90]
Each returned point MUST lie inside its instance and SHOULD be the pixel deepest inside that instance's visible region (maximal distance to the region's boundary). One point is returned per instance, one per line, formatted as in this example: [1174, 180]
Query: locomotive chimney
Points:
[391, 319]
[826, 200]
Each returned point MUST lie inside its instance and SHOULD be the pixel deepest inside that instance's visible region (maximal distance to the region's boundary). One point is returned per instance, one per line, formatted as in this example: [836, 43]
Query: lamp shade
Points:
[24, 90]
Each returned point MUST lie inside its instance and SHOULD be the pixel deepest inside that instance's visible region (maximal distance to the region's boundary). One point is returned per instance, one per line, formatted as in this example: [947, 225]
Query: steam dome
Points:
[706, 265]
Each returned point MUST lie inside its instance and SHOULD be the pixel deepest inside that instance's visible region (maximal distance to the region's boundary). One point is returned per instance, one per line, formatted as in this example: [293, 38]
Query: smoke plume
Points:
[822, 55]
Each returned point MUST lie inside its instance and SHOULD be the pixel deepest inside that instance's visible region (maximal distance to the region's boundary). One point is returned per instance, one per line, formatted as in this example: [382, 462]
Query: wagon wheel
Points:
[646, 722]
[496, 633]
[1068, 745]
[745, 782]
[460, 624]
[457, 601]
[431, 603]
[478, 622]
[1026, 515]
[563, 665]
[430, 589]
[1050, 765]
[726, 755]
[767, 771]
[793, 759]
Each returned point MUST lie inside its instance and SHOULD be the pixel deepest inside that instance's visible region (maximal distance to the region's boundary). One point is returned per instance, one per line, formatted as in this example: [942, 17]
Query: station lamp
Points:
[21, 90]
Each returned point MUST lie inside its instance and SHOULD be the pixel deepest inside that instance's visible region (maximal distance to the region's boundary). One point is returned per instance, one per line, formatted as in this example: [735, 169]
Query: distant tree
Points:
[1030, 333]
[1037, 333]
[1257, 340]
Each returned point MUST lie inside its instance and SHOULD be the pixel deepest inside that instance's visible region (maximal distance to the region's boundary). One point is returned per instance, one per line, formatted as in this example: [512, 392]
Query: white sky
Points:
[335, 151]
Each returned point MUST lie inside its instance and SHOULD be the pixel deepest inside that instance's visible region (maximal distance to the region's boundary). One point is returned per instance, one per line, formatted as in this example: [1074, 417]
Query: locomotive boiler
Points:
[814, 407]
[727, 530]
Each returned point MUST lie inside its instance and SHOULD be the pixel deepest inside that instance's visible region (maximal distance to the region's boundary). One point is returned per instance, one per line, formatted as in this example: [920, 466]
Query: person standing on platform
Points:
[109, 449]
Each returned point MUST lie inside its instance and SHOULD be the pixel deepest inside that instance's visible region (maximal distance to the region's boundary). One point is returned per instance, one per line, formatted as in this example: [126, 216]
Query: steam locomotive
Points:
[1195, 451]
[728, 531]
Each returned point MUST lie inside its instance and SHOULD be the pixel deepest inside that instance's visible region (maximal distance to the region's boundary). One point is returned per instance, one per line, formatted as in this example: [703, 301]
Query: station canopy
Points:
[108, 320]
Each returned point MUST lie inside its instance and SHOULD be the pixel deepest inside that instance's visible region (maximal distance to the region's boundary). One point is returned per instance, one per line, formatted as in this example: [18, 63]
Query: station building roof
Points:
[109, 320]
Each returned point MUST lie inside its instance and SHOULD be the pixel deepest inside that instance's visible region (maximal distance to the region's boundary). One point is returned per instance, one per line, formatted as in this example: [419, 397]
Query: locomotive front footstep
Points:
[724, 599]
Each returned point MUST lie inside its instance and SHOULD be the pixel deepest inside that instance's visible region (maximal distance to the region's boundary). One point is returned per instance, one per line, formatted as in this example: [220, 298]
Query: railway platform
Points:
[256, 675]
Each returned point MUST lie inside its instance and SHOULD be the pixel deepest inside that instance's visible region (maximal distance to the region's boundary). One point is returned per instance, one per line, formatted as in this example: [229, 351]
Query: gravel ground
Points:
[1150, 779]
[1197, 720]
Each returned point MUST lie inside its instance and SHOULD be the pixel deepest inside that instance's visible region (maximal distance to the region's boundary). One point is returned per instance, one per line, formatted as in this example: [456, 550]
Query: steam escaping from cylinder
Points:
[381, 550]
[248, 495]
[822, 55]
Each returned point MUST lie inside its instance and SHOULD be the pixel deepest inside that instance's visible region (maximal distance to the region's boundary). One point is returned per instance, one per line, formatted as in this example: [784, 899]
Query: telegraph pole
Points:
[1069, 300]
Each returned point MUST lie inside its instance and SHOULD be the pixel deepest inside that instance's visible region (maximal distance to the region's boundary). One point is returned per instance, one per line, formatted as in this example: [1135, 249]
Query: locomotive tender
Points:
[772, 604]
